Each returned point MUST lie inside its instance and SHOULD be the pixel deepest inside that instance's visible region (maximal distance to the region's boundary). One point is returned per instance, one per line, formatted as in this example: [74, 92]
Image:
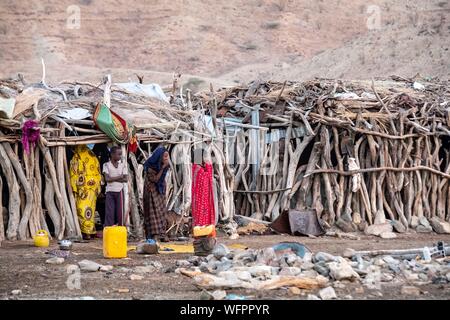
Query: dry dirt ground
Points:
[23, 267]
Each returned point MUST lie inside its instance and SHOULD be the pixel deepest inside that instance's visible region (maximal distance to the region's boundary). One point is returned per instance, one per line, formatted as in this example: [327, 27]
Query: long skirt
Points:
[155, 209]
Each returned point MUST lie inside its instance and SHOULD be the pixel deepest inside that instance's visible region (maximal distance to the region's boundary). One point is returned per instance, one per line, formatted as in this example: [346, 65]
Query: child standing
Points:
[115, 177]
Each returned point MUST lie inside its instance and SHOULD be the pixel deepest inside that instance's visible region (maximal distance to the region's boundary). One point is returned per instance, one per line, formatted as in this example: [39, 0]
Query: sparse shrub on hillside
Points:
[271, 25]
[193, 84]
[204, 27]
[280, 4]
[248, 46]
[85, 2]
[194, 59]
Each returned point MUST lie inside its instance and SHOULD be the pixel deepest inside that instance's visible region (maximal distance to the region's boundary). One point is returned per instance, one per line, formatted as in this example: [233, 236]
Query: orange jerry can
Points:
[115, 242]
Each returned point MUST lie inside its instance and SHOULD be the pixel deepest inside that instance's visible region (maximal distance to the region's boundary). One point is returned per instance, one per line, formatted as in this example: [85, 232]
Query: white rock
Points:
[87, 298]
[158, 265]
[307, 257]
[219, 294]
[386, 277]
[312, 297]
[16, 292]
[327, 293]
[106, 268]
[323, 256]
[390, 259]
[55, 260]
[398, 226]
[414, 222]
[373, 278]
[183, 263]
[88, 265]
[424, 222]
[380, 217]
[410, 276]
[260, 271]
[309, 274]
[410, 290]
[440, 226]
[388, 235]
[348, 252]
[220, 250]
[289, 271]
[377, 229]
[244, 275]
[230, 276]
[144, 269]
[379, 262]
[424, 229]
[307, 265]
[266, 256]
[342, 270]
[291, 259]
[135, 277]
[321, 279]
[448, 276]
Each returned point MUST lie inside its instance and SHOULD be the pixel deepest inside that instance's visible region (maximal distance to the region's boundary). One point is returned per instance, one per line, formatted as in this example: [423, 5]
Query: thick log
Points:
[52, 210]
[22, 231]
[2, 227]
[14, 195]
[50, 165]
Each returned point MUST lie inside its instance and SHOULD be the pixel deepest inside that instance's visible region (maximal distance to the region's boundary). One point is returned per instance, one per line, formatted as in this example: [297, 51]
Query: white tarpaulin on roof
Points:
[75, 114]
[7, 108]
[150, 90]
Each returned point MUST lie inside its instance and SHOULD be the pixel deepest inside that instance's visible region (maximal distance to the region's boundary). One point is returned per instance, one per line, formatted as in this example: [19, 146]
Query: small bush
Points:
[271, 25]
[248, 46]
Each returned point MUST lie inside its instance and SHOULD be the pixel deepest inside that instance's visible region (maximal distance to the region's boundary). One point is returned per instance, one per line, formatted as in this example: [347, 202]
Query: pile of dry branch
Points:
[355, 151]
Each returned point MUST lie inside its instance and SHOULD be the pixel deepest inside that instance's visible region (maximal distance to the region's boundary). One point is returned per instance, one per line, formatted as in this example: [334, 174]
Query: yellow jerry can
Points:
[203, 231]
[115, 242]
[41, 239]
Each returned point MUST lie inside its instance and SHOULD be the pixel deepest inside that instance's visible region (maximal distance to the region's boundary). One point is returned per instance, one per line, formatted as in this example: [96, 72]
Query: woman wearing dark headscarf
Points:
[155, 209]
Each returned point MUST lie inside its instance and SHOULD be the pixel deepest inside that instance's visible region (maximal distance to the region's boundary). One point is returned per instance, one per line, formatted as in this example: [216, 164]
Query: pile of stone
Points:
[385, 228]
[267, 269]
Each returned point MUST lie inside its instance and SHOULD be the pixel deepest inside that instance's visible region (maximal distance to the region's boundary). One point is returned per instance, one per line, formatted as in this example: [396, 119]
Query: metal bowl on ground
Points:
[65, 245]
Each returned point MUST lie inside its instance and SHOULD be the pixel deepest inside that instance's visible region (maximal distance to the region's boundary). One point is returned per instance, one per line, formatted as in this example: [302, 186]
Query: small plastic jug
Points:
[115, 242]
[41, 239]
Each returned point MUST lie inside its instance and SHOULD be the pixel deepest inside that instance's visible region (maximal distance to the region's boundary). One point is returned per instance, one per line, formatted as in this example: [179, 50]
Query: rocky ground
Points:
[24, 273]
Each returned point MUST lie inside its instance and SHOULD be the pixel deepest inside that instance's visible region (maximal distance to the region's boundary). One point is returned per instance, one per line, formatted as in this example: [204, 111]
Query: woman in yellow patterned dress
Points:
[85, 179]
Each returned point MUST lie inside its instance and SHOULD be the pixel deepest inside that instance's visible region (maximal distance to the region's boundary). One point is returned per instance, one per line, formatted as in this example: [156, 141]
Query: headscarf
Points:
[154, 162]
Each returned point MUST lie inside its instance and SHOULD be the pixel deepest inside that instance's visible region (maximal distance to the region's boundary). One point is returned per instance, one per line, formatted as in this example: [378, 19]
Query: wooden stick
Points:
[14, 196]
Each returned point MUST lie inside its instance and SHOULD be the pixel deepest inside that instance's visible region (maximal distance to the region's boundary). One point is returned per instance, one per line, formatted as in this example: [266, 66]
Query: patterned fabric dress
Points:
[85, 180]
[155, 209]
[203, 212]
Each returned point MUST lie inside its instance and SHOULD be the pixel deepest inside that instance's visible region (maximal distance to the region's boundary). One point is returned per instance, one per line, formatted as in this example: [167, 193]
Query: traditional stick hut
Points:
[356, 152]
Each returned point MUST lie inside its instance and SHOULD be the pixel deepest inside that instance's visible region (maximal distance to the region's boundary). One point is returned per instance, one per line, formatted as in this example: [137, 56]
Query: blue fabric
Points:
[299, 249]
[154, 162]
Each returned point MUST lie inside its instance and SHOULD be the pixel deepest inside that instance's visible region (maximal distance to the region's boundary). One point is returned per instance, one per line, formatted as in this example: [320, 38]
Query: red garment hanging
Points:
[203, 213]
